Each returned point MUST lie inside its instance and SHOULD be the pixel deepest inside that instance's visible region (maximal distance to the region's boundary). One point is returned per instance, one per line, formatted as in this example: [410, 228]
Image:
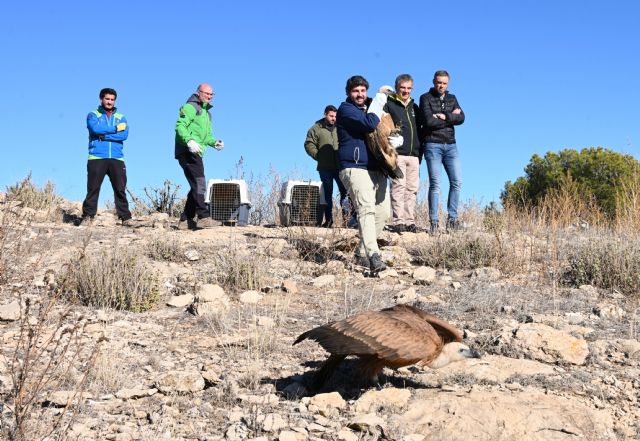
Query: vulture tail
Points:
[301, 337]
[326, 370]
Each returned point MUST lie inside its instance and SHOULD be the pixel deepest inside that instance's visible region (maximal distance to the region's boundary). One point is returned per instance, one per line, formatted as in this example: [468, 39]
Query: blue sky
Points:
[531, 76]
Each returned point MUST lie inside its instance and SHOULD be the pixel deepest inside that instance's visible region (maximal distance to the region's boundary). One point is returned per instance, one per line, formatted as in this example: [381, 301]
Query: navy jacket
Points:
[353, 123]
[436, 130]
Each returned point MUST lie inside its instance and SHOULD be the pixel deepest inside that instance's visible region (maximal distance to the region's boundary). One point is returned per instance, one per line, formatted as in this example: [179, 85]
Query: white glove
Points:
[219, 145]
[194, 147]
[395, 140]
[377, 104]
[387, 90]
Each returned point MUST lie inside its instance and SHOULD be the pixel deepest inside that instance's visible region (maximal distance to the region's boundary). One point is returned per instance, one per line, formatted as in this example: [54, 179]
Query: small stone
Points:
[250, 297]
[290, 286]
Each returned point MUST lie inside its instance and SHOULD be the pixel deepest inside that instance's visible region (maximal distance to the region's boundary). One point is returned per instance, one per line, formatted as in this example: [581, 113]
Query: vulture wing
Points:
[397, 335]
[445, 330]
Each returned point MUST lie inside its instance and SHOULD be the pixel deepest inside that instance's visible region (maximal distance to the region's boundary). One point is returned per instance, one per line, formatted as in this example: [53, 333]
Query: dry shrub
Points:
[167, 249]
[33, 197]
[238, 270]
[49, 348]
[466, 251]
[605, 262]
[628, 205]
[114, 278]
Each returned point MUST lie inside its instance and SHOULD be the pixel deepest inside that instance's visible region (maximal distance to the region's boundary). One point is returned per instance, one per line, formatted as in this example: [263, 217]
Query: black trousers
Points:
[193, 168]
[117, 172]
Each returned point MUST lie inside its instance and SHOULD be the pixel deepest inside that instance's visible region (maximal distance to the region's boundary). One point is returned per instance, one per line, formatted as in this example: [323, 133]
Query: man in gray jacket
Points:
[322, 145]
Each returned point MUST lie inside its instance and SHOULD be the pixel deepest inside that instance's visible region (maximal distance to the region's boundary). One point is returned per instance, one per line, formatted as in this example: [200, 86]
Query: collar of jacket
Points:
[363, 108]
[395, 98]
[197, 104]
[433, 92]
[103, 110]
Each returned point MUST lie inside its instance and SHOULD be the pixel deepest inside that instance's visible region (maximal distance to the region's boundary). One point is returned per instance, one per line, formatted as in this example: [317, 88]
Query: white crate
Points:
[301, 203]
[229, 201]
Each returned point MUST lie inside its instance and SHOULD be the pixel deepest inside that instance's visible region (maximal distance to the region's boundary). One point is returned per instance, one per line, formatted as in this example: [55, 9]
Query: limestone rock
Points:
[250, 297]
[180, 382]
[424, 275]
[325, 281]
[386, 398]
[10, 312]
[180, 301]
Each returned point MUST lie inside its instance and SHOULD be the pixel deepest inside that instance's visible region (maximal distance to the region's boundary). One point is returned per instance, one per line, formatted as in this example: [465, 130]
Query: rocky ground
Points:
[214, 358]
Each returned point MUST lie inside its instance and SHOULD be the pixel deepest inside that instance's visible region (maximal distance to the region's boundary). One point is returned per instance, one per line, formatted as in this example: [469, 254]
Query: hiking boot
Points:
[433, 228]
[411, 228]
[327, 224]
[376, 264]
[207, 222]
[186, 224]
[127, 222]
[353, 222]
[453, 225]
[400, 228]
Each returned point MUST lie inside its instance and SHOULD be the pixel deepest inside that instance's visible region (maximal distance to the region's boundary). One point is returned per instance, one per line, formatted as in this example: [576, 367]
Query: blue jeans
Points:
[327, 178]
[447, 155]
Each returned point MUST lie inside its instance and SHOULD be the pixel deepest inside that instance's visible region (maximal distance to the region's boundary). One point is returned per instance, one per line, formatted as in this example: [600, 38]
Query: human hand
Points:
[387, 90]
[194, 147]
[395, 140]
[120, 127]
[457, 111]
[439, 116]
[219, 145]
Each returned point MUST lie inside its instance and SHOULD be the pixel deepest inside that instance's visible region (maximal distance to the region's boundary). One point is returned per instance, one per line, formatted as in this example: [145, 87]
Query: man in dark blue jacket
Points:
[108, 129]
[441, 113]
[360, 172]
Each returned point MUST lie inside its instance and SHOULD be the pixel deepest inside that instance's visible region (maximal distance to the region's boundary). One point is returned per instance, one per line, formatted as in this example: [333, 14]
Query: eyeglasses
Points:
[206, 93]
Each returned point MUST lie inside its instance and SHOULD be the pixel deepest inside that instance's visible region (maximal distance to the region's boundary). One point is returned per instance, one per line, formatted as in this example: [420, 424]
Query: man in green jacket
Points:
[322, 145]
[193, 135]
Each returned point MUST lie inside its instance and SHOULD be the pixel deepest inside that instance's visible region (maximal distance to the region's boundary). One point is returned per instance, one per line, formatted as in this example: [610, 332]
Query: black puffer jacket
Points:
[434, 129]
[407, 118]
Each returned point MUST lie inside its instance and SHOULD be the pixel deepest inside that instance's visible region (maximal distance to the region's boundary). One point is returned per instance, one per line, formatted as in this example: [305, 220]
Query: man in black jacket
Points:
[441, 112]
[404, 190]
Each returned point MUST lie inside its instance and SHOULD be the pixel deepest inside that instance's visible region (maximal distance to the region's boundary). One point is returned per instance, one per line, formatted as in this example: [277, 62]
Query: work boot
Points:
[433, 228]
[207, 222]
[376, 264]
[453, 225]
[411, 228]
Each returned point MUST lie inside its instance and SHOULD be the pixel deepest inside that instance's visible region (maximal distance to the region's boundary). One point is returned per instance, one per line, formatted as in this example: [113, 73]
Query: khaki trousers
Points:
[368, 192]
[404, 191]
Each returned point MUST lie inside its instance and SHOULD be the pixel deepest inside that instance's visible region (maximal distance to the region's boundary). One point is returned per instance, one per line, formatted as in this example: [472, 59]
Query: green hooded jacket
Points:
[194, 123]
[322, 145]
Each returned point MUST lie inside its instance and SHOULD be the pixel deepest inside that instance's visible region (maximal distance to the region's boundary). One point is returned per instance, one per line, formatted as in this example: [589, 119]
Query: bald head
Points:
[205, 92]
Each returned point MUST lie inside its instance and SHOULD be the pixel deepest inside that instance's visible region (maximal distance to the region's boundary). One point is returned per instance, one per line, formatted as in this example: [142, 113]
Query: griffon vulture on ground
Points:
[393, 337]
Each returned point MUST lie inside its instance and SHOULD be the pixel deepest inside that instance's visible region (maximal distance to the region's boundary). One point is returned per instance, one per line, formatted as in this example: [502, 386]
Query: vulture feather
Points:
[393, 337]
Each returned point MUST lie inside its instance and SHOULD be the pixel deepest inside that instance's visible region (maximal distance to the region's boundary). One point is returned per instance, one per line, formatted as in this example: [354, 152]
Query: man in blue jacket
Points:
[108, 129]
[360, 172]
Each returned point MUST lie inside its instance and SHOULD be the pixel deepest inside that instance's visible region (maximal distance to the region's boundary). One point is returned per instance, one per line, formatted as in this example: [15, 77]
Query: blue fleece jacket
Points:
[104, 141]
[353, 124]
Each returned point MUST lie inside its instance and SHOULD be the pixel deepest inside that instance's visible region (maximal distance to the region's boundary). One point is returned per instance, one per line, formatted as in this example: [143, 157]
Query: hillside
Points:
[210, 356]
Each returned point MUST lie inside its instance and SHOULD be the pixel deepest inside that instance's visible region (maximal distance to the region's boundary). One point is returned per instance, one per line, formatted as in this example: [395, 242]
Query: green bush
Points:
[598, 172]
[115, 278]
